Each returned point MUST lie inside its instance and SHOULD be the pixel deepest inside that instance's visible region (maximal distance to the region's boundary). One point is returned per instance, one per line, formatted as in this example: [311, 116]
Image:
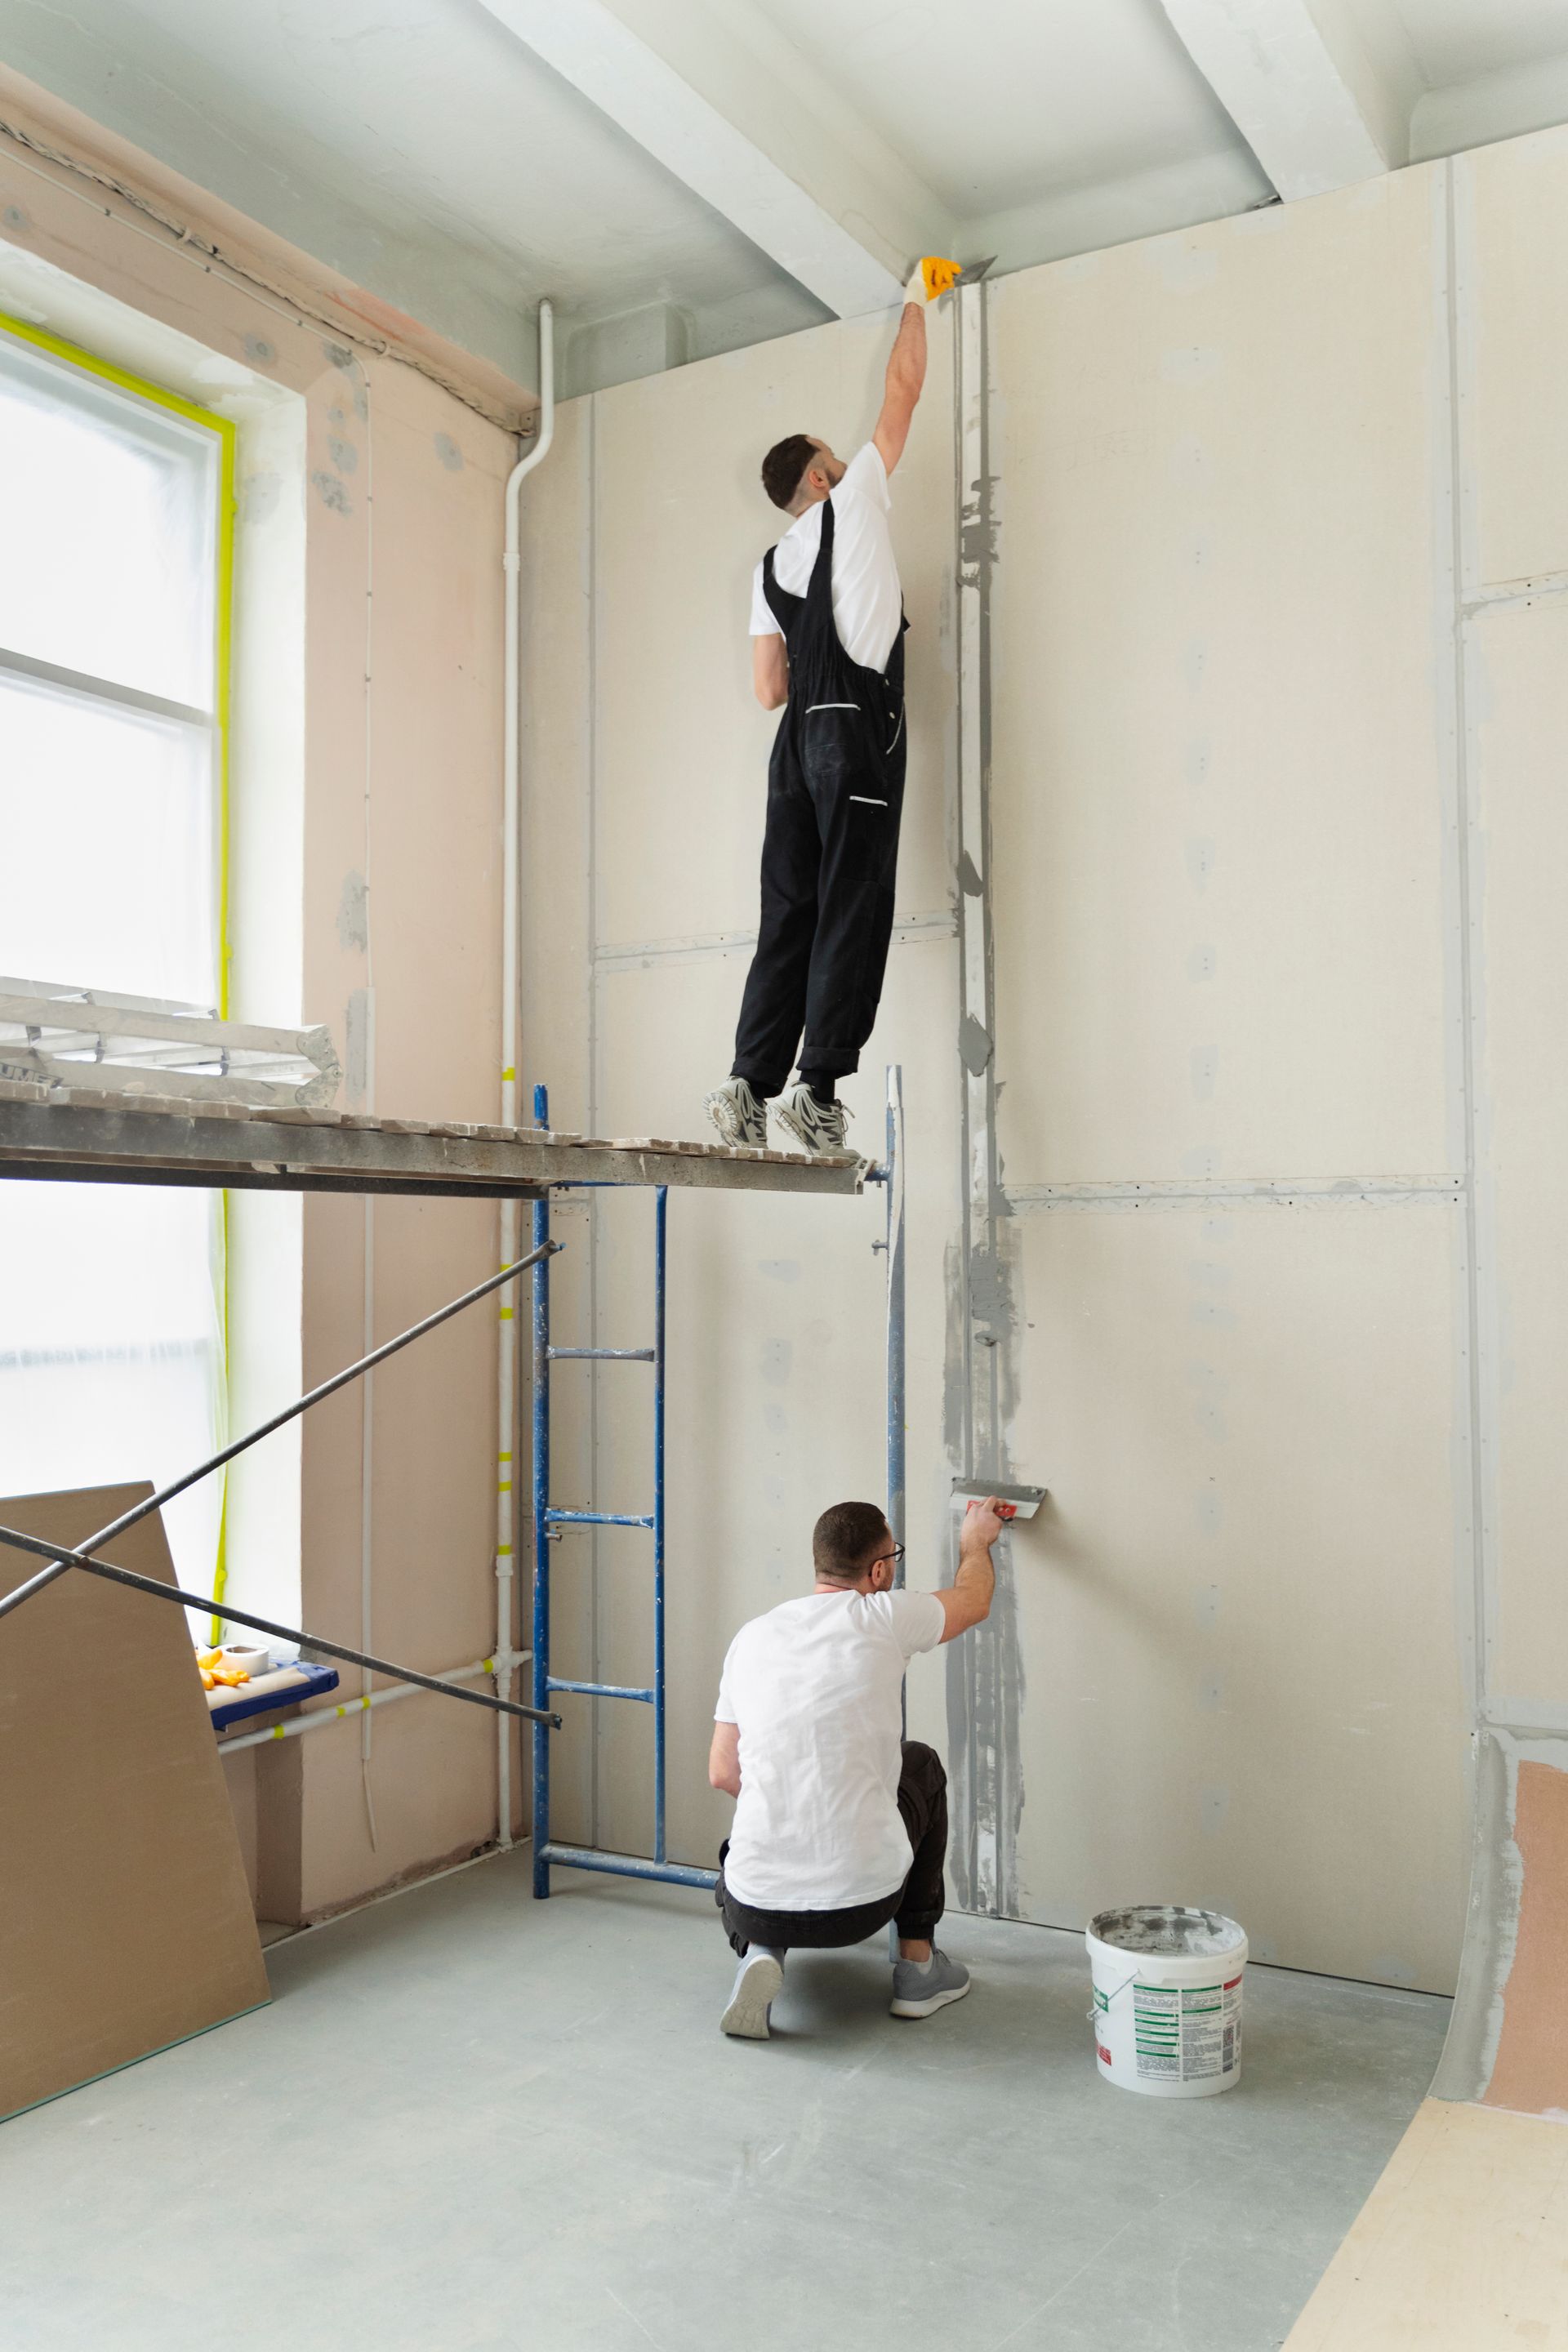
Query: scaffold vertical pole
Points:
[661, 1203]
[540, 1523]
[897, 1350]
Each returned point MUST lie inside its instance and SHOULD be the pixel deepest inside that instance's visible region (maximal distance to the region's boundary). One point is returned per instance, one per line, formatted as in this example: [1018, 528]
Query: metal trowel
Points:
[1017, 1502]
[942, 277]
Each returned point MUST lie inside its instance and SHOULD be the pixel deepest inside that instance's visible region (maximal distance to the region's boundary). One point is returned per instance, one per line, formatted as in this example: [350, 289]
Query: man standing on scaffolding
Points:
[828, 625]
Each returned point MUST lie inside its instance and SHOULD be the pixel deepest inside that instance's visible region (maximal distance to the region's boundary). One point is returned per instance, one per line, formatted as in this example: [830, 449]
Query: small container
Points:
[248, 1659]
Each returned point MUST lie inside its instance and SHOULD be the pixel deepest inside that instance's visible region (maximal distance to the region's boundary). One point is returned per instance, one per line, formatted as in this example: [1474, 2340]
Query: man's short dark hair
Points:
[784, 465]
[845, 1540]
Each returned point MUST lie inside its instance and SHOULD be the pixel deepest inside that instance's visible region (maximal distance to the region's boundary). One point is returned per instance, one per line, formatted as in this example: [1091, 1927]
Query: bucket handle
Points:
[1092, 2014]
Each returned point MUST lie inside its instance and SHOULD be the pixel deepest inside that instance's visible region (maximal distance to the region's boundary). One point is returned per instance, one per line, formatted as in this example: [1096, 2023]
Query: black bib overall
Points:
[836, 792]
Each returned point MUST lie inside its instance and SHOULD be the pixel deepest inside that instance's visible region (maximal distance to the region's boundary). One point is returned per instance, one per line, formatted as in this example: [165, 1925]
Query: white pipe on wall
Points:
[506, 1383]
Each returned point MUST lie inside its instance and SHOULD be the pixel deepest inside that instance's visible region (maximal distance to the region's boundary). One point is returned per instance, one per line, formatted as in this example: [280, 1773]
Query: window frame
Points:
[217, 722]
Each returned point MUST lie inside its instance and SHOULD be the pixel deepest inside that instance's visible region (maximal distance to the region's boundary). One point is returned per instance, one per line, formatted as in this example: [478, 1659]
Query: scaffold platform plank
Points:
[80, 1135]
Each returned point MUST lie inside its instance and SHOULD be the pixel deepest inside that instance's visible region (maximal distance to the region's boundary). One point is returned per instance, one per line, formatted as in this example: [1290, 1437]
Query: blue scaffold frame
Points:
[548, 1520]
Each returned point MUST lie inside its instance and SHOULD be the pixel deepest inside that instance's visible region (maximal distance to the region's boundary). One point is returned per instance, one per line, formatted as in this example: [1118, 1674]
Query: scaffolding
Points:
[549, 1520]
[53, 1133]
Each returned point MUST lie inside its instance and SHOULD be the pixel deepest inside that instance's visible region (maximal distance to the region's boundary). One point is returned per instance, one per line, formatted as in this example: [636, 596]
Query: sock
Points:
[821, 1085]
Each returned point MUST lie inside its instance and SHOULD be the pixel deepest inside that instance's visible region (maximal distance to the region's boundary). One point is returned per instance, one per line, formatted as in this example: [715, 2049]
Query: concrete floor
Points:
[469, 2124]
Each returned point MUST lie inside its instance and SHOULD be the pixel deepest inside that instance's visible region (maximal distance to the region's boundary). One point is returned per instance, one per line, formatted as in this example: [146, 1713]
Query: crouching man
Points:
[840, 1825]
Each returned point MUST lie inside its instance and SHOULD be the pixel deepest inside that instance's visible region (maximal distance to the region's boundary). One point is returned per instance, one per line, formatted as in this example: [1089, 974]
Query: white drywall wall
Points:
[1276, 978]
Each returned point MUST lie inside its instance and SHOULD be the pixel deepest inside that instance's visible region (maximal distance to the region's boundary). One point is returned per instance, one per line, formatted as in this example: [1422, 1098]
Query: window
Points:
[115, 518]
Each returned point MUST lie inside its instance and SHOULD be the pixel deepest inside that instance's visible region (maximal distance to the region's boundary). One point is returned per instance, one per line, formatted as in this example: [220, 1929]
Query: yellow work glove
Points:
[932, 276]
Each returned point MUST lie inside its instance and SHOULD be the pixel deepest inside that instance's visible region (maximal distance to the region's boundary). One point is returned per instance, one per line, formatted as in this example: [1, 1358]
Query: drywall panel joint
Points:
[985, 1683]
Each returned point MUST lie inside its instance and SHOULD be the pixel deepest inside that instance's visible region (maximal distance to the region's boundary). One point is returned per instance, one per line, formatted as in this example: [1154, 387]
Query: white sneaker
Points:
[757, 1983]
[741, 1120]
[817, 1126]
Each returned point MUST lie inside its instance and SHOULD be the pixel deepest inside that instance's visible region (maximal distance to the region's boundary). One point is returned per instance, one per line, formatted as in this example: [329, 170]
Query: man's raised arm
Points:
[906, 374]
[967, 1600]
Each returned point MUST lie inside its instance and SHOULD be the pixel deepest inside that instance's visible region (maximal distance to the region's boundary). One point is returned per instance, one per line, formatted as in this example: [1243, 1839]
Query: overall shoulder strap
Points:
[784, 608]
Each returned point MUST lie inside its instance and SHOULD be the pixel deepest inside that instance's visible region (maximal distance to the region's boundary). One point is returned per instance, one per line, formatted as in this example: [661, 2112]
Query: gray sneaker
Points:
[816, 1127]
[742, 1120]
[757, 1982]
[923, 1987]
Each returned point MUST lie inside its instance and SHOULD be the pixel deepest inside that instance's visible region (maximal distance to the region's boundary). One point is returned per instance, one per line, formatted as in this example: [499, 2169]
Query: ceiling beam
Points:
[727, 106]
[1299, 87]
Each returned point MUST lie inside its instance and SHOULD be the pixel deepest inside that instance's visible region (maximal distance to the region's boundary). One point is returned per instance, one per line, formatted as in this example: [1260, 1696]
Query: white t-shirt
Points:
[868, 602]
[815, 1688]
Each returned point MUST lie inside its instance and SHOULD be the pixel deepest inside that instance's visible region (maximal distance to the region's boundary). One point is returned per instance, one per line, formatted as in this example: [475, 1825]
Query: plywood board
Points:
[1217, 800]
[127, 1924]
[1461, 2247]
[1239, 1612]
[1531, 2070]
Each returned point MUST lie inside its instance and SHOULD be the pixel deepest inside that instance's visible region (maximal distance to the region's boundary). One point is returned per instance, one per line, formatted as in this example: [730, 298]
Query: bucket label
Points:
[1189, 2034]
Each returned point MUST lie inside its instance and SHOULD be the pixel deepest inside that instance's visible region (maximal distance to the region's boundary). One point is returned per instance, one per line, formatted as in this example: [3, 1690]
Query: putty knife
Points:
[1017, 1502]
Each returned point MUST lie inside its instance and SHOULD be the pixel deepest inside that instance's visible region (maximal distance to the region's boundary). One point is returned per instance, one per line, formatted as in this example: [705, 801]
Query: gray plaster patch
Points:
[969, 880]
[260, 351]
[14, 217]
[974, 1048]
[341, 356]
[356, 1049]
[780, 1269]
[259, 495]
[1189, 363]
[979, 528]
[1181, 268]
[1203, 962]
[450, 454]
[353, 912]
[331, 492]
[1200, 856]
[1205, 1066]
[778, 1358]
[344, 455]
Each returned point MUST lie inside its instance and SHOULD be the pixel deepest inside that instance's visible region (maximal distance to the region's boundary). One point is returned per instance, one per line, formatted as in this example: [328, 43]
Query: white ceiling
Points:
[425, 148]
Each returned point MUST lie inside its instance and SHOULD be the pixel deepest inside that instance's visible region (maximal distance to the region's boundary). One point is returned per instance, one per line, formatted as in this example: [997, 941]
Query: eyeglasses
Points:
[896, 1555]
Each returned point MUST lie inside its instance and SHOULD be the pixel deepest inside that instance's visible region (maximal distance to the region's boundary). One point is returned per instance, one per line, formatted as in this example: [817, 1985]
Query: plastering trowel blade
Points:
[1017, 1502]
[971, 273]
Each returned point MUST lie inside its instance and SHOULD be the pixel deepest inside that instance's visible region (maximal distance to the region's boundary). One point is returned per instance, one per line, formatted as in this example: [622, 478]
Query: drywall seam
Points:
[984, 1675]
[697, 947]
[1219, 1192]
[1456, 247]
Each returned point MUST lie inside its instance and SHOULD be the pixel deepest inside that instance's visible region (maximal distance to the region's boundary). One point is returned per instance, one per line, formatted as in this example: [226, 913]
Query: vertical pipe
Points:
[660, 1210]
[541, 1526]
[512, 918]
[896, 1335]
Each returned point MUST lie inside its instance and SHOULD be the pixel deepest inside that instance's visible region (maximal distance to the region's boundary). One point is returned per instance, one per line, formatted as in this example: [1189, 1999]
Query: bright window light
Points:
[112, 1353]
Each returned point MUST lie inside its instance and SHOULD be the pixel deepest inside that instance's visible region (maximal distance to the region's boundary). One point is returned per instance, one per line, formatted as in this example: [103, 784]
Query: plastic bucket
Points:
[1167, 1998]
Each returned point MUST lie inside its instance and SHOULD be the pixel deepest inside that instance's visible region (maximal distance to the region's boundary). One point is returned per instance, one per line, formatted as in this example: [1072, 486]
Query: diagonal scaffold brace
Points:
[60, 1557]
